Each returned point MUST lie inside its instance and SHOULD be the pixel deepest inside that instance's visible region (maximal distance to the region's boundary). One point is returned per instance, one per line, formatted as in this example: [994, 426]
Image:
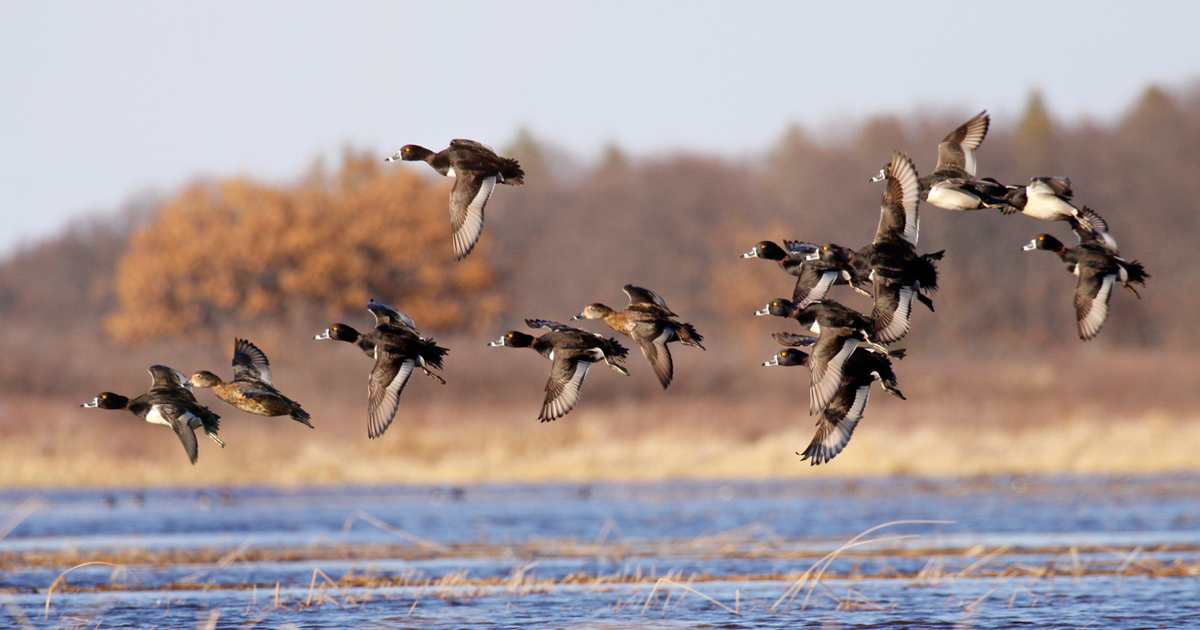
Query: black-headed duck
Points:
[648, 321]
[476, 169]
[169, 403]
[898, 274]
[1098, 267]
[253, 387]
[398, 349]
[572, 351]
[840, 331]
[789, 259]
[839, 419]
[815, 274]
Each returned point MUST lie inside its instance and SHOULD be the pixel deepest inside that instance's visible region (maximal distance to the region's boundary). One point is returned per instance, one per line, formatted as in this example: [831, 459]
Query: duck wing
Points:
[1057, 186]
[899, 217]
[181, 420]
[838, 422]
[957, 150]
[163, 376]
[654, 347]
[250, 363]
[827, 361]
[545, 323]
[384, 385]
[638, 295]
[1091, 299]
[386, 316]
[893, 308]
[562, 390]
[471, 192]
[813, 284]
[793, 340]
[473, 147]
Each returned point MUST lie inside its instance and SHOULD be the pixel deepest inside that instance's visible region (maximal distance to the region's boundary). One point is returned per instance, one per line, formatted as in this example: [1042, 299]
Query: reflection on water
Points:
[1017, 552]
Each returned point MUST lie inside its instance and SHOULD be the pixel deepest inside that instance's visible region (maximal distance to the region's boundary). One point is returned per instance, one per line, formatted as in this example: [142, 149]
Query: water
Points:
[1011, 552]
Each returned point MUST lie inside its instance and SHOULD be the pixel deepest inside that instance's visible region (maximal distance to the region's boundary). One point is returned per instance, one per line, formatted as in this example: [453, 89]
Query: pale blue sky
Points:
[103, 99]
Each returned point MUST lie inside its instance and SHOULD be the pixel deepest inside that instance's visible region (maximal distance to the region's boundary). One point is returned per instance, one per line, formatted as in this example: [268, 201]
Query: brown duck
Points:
[252, 389]
[648, 321]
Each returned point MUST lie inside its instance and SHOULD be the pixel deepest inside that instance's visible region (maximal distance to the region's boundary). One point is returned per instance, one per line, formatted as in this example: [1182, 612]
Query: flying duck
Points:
[840, 331]
[648, 321]
[815, 274]
[897, 273]
[1098, 267]
[839, 419]
[169, 403]
[253, 388]
[397, 348]
[572, 351]
[476, 169]
[956, 161]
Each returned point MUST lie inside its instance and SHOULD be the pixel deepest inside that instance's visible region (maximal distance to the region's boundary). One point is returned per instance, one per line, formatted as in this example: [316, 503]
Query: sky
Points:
[103, 101]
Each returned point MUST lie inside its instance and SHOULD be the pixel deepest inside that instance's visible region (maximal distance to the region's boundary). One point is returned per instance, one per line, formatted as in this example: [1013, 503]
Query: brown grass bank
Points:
[963, 417]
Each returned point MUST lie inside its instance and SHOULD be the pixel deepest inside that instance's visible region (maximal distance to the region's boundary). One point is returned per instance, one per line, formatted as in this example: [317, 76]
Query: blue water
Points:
[589, 556]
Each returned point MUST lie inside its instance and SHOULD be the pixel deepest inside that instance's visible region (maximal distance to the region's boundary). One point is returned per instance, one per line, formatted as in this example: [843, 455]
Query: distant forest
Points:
[219, 255]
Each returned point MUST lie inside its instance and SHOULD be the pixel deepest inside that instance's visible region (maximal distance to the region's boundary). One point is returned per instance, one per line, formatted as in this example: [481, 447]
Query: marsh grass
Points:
[961, 418]
[638, 593]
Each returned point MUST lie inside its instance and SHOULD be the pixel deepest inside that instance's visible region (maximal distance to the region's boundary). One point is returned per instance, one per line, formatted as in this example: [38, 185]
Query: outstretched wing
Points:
[793, 340]
[957, 149]
[250, 363]
[471, 193]
[1091, 300]
[837, 423]
[1057, 186]
[388, 316]
[462, 143]
[562, 390]
[659, 355]
[893, 308]
[163, 376]
[899, 216]
[638, 295]
[827, 361]
[384, 385]
[545, 323]
[181, 422]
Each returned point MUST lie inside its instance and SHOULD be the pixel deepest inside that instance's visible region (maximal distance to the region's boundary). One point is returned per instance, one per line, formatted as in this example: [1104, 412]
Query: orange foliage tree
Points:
[231, 251]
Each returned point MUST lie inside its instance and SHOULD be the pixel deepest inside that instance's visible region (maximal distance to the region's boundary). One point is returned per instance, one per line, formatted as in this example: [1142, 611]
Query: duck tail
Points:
[511, 173]
[687, 335]
[433, 353]
[1136, 273]
[615, 349]
[301, 416]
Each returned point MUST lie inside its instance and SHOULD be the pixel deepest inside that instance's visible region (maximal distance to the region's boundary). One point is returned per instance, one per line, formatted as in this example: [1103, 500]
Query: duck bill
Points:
[498, 342]
[766, 310]
[395, 158]
[772, 362]
[579, 316]
[751, 254]
[95, 403]
[1032, 245]
[324, 335]
[812, 256]
[880, 177]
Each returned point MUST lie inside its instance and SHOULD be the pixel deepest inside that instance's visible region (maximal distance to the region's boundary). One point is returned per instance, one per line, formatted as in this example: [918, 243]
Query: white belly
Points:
[952, 199]
[1048, 208]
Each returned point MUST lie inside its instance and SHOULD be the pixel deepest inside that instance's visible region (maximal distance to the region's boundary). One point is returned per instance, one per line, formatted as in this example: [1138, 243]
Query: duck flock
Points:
[848, 353]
